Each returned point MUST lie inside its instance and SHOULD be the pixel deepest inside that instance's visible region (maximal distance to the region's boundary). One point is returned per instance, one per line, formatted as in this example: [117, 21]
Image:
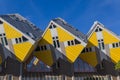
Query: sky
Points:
[81, 14]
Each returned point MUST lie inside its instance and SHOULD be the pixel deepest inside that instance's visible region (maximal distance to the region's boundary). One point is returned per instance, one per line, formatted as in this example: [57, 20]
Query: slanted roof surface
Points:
[71, 29]
[23, 25]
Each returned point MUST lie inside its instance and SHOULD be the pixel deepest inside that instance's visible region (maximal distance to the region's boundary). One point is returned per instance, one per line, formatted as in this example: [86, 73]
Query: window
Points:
[52, 26]
[56, 42]
[98, 29]
[37, 49]
[101, 44]
[73, 42]
[1, 22]
[3, 39]
[87, 50]
[68, 43]
[77, 42]
[21, 39]
[24, 39]
[115, 45]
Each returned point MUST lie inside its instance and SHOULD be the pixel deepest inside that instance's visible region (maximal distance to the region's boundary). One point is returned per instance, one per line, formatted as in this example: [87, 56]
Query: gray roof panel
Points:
[23, 25]
[71, 29]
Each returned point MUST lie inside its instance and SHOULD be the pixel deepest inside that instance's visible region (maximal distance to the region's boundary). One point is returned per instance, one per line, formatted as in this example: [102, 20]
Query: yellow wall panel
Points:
[109, 38]
[45, 56]
[93, 40]
[10, 32]
[72, 52]
[23, 50]
[63, 35]
[47, 38]
[90, 58]
[115, 54]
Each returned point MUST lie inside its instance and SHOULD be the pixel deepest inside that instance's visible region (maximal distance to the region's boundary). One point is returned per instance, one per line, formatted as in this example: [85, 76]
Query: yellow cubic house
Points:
[60, 40]
[18, 36]
[103, 44]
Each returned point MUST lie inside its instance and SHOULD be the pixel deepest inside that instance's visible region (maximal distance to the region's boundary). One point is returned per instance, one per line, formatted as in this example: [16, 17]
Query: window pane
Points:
[2, 41]
[54, 43]
[103, 46]
[24, 39]
[6, 43]
[68, 43]
[72, 42]
[16, 40]
[37, 49]
[20, 40]
[45, 47]
[58, 43]
[77, 42]
[113, 45]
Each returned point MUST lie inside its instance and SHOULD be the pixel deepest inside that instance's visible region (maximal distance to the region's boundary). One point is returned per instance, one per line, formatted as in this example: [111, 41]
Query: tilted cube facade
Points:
[61, 52]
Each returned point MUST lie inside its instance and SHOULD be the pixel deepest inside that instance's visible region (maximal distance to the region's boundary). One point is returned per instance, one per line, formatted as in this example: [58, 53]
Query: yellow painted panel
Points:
[115, 54]
[90, 58]
[10, 32]
[64, 35]
[0, 59]
[72, 52]
[93, 40]
[45, 56]
[109, 38]
[46, 39]
[23, 50]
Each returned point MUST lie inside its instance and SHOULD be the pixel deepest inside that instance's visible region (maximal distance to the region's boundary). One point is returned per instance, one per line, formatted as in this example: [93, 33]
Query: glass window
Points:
[77, 42]
[72, 43]
[16, 40]
[20, 40]
[113, 45]
[68, 43]
[6, 43]
[24, 39]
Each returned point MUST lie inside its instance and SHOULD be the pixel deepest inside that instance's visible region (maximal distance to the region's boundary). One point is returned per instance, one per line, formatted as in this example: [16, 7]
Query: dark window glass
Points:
[2, 41]
[16, 40]
[86, 49]
[1, 22]
[68, 43]
[103, 46]
[117, 45]
[56, 37]
[58, 64]
[37, 49]
[54, 43]
[54, 26]
[0, 34]
[99, 45]
[77, 42]
[72, 42]
[90, 49]
[58, 43]
[98, 40]
[113, 45]
[45, 47]
[83, 51]
[96, 30]
[100, 29]
[42, 48]
[24, 39]
[20, 40]
[6, 43]
[3, 34]
[50, 27]
[53, 37]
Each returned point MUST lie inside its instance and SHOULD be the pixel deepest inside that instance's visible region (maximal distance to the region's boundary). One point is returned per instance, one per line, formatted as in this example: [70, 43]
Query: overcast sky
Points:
[79, 13]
